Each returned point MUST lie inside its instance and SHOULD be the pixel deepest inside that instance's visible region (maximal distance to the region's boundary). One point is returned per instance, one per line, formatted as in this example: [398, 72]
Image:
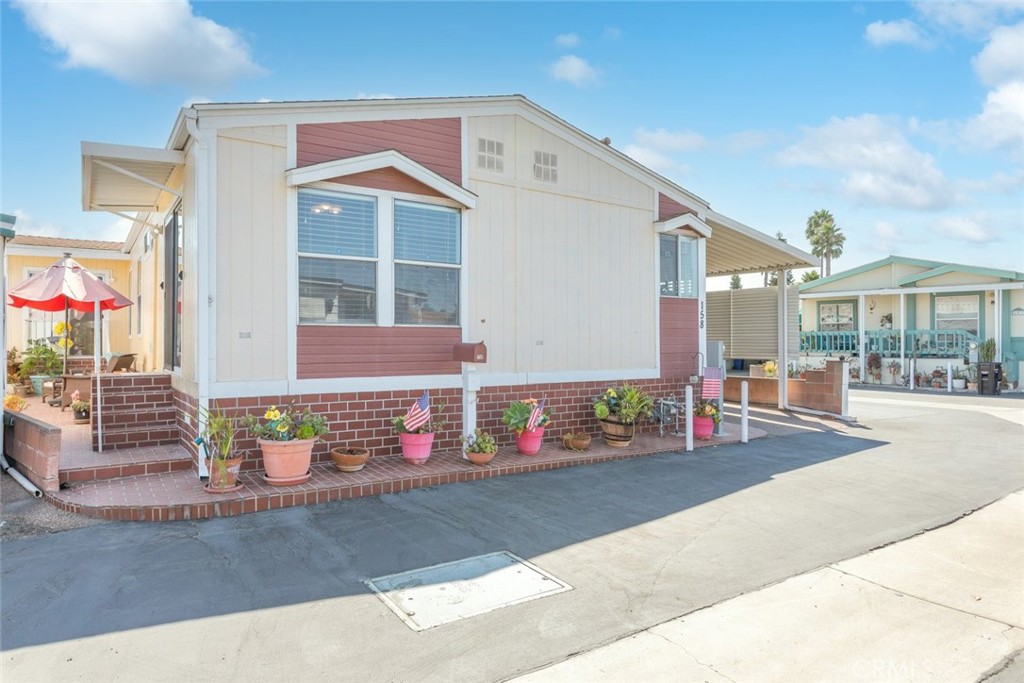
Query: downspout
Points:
[202, 275]
[18, 477]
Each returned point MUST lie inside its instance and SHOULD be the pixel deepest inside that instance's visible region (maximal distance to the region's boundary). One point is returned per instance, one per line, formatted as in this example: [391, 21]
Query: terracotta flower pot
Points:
[703, 427]
[416, 447]
[286, 462]
[351, 459]
[480, 458]
[576, 442]
[529, 442]
[223, 475]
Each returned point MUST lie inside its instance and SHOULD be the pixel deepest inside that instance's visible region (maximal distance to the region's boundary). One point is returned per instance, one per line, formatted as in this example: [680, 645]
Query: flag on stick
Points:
[712, 385]
[419, 413]
[535, 415]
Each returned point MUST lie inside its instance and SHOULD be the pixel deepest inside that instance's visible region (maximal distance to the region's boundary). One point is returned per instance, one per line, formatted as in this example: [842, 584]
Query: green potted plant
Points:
[416, 429]
[527, 419]
[40, 362]
[218, 443]
[286, 440]
[959, 380]
[79, 408]
[619, 409]
[886, 321]
[479, 447]
[705, 416]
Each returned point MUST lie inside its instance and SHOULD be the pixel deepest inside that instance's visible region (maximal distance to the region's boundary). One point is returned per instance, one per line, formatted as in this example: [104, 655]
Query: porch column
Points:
[903, 331]
[997, 326]
[862, 350]
[782, 369]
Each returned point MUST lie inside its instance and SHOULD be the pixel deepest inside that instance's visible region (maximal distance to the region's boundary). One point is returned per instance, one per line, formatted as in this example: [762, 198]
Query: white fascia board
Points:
[332, 385]
[943, 289]
[158, 155]
[686, 221]
[378, 160]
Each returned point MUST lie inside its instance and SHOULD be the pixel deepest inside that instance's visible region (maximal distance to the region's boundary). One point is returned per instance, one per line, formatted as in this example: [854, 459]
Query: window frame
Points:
[978, 313]
[836, 304]
[694, 281]
[385, 259]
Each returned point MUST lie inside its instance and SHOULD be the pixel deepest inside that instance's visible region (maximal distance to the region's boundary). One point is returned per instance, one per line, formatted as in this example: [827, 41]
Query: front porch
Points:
[925, 343]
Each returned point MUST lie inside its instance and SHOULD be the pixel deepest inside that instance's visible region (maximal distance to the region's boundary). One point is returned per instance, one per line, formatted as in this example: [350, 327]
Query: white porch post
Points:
[997, 326]
[96, 323]
[862, 340]
[903, 332]
[206, 241]
[782, 369]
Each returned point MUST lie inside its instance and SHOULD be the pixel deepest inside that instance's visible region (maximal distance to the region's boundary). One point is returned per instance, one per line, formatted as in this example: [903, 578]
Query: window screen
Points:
[426, 233]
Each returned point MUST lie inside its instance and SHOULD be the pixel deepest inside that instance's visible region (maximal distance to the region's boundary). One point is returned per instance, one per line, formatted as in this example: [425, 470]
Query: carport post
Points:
[744, 412]
[689, 418]
[782, 367]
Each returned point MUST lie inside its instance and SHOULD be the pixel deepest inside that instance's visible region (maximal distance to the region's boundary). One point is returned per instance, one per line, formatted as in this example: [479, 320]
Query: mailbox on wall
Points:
[470, 353]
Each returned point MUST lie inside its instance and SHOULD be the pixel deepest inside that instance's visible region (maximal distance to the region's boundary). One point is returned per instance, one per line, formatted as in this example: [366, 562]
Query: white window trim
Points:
[679, 266]
[385, 258]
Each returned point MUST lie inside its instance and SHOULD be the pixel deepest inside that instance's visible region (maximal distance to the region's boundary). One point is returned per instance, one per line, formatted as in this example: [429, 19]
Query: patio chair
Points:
[120, 362]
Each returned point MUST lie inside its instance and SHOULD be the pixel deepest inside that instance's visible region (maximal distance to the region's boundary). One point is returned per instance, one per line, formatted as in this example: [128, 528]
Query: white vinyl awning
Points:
[121, 178]
[734, 248]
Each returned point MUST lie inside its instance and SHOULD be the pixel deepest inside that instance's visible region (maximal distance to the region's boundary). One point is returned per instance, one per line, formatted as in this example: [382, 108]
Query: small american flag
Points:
[419, 413]
[535, 415]
[712, 385]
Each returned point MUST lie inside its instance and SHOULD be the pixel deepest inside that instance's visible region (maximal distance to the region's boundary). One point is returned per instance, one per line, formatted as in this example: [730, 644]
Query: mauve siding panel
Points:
[670, 208]
[326, 351]
[434, 143]
[388, 179]
[680, 337]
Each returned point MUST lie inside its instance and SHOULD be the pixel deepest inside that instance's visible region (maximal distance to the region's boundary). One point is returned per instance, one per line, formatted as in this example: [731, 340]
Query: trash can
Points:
[990, 376]
[737, 363]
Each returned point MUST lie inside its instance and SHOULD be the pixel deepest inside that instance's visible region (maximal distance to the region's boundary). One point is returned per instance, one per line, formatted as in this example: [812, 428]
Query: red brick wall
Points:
[137, 410]
[35, 447]
[820, 390]
[680, 336]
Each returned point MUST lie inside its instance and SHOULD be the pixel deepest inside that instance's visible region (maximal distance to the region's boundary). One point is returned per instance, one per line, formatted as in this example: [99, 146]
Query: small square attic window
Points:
[490, 155]
[545, 167]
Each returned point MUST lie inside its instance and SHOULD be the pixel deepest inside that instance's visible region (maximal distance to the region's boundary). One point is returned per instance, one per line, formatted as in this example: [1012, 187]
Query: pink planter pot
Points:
[529, 443]
[286, 462]
[703, 427]
[416, 447]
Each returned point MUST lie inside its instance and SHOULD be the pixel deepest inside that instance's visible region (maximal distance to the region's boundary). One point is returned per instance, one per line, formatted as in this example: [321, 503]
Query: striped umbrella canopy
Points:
[66, 284]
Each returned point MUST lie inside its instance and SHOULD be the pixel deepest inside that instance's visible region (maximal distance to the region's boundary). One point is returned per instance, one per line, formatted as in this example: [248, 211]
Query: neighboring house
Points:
[29, 254]
[911, 308]
[332, 253]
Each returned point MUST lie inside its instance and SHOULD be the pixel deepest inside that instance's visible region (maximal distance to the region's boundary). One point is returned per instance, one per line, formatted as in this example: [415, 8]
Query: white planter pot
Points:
[959, 384]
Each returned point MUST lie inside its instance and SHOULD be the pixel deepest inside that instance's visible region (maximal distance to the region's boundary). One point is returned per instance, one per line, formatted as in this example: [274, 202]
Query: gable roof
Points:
[931, 269]
[65, 243]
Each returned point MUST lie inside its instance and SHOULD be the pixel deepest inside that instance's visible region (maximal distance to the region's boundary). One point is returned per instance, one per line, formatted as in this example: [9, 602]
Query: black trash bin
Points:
[990, 376]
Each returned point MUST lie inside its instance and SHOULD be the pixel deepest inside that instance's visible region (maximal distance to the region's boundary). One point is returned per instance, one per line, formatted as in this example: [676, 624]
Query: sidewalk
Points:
[944, 606]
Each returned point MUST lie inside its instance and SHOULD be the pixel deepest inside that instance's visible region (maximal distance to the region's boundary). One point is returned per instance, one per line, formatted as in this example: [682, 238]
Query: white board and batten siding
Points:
[747, 321]
[562, 273]
[252, 251]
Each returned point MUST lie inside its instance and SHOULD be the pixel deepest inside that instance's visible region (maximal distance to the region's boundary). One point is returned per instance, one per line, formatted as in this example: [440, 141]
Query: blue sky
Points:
[905, 120]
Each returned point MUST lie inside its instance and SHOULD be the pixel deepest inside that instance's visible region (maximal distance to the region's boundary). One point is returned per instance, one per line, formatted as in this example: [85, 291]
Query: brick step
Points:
[114, 464]
[138, 435]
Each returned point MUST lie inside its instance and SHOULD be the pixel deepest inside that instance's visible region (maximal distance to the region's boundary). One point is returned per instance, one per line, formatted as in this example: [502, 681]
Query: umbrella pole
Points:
[96, 366]
[67, 335]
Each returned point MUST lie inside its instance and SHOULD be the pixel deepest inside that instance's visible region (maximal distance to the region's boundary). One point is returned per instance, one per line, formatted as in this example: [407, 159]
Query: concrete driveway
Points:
[280, 596]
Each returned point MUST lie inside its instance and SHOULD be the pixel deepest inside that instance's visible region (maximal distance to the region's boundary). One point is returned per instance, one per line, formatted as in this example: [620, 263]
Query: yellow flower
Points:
[611, 393]
[58, 327]
[282, 427]
[272, 414]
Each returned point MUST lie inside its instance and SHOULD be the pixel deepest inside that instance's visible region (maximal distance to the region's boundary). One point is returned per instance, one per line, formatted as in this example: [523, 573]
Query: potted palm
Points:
[416, 429]
[619, 409]
[218, 443]
[527, 419]
[479, 447]
[286, 440]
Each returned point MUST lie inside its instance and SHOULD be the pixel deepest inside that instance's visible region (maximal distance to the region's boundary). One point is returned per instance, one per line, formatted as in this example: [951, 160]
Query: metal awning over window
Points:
[121, 178]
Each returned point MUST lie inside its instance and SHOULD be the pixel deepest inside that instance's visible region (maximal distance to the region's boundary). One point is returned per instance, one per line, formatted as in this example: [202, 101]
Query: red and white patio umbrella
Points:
[67, 285]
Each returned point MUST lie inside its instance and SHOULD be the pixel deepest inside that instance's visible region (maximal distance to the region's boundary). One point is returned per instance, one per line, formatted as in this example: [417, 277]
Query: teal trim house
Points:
[907, 308]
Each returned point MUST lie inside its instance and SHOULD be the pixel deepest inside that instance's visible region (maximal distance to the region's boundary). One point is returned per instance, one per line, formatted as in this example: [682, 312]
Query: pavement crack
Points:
[1000, 666]
[920, 532]
[661, 570]
[692, 656]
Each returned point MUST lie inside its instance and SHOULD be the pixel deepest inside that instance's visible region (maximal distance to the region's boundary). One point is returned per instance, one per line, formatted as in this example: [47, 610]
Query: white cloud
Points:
[575, 70]
[1002, 59]
[973, 18]
[655, 160]
[27, 224]
[667, 141]
[879, 165]
[567, 40]
[143, 43]
[900, 32]
[611, 33]
[1001, 121]
[888, 233]
[966, 229]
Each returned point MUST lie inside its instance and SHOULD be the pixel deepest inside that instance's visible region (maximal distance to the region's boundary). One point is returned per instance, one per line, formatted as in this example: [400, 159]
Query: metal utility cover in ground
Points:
[447, 592]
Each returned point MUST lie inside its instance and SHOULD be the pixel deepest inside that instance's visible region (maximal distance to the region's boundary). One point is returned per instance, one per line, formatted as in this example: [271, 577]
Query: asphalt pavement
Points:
[280, 596]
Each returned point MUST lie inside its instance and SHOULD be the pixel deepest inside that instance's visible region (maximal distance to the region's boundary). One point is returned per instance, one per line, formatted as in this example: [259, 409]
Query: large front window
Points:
[678, 259]
[352, 247]
[957, 313]
[835, 317]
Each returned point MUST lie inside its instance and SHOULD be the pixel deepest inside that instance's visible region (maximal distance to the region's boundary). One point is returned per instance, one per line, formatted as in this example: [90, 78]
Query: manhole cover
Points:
[447, 592]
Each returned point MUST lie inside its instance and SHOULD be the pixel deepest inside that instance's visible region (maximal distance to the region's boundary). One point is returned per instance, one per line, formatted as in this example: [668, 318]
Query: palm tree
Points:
[809, 276]
[825, 237]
